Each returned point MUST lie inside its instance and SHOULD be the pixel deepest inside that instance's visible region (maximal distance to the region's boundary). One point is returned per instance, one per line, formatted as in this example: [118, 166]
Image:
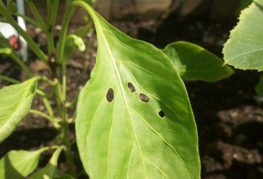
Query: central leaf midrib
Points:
[123, 93]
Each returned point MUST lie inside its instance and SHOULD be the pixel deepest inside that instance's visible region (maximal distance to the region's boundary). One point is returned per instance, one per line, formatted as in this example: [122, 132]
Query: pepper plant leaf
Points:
[15, 103]
[19, 164]
[195, 63]
[134, 118]
[51, 169]
[244, 48]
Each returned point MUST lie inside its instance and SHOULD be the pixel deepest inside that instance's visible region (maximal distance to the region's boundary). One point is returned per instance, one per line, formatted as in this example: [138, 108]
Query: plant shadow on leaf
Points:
[259, 6]
[9, 168]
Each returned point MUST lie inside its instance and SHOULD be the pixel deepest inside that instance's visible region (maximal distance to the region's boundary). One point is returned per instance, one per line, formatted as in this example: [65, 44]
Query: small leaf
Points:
[195, 63]
[15, 103]
[51, 169]
[73, 42]
[19, 164]
[6, 51]
[5, 47]
[120, 133]
[244, 48]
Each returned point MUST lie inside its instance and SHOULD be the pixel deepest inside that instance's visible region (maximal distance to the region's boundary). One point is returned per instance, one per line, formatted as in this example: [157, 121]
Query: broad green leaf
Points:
[259, 87]
[195, 63]
[51, 169]
[134, 119]
[15, 103]
[244, 48]
[19, 164]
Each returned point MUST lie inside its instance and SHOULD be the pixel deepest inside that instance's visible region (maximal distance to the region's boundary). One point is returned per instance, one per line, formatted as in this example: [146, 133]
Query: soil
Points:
[228, 113]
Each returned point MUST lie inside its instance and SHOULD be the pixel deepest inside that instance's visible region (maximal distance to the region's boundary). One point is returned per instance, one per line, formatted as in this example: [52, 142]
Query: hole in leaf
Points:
[131, 87]
[110, 95]
[161, 114]
[144, 98]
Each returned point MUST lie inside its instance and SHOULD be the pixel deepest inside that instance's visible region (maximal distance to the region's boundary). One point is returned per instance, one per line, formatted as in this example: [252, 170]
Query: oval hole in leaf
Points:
[110, 95]
[144, 97]
[131, 87]
[161, 114]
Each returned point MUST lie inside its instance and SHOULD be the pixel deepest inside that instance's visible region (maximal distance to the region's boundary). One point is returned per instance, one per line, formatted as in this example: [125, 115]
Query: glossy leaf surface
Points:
[134, 119]
[244, 48]
[195, 63]
[51, 169]
[15, 103]
[19, 164]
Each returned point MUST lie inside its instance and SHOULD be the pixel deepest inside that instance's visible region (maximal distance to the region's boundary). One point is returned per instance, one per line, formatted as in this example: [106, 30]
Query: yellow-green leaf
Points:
[134, 119]
[15, 103]
[196, 63]
[18, 164]
[244, 48]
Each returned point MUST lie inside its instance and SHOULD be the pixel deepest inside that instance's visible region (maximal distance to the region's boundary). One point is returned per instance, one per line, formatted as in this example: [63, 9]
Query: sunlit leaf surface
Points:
[19, 164]
[244, 49]
[15, 103]
[134, 119]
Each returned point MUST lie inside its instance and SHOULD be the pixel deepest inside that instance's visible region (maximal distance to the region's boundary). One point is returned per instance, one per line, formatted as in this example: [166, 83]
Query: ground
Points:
[228, 113]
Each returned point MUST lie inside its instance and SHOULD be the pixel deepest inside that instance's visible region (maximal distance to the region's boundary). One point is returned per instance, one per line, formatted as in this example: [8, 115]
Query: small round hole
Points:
[161, 114]
[144, 97]
[131, 87]
[110, 95]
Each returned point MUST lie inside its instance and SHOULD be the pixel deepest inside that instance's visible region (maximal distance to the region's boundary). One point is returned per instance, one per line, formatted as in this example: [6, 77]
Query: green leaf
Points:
[244, 48]
[15, 103]
[5, 47]
[50, 170]
[11, 7]
[19, 164]
[243, 4]
[195, 63]
[134, 119]
[73, 42]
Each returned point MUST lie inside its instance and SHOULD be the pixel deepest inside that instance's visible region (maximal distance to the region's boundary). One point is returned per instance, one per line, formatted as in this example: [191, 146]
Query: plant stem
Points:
[37, 15]
[10, 80]
[64, 81]
[51, 119]
[31, 43]
[63, 32]
[31, 21]
[52, 16]
[47, 106]
[14, 56]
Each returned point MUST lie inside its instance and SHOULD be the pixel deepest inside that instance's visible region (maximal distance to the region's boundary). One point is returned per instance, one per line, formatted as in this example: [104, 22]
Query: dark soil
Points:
[228, 113]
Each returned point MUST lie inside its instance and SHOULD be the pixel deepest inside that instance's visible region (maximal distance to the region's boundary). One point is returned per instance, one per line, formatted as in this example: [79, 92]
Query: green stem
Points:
[15, 57]
[64, 81]
[10, 80]
[52, 83]
[31, 21]
[52, 16]
[51, 119]
[28, 39]
[72, 103]
[47, 106]
[63, 32]
[37, 15]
